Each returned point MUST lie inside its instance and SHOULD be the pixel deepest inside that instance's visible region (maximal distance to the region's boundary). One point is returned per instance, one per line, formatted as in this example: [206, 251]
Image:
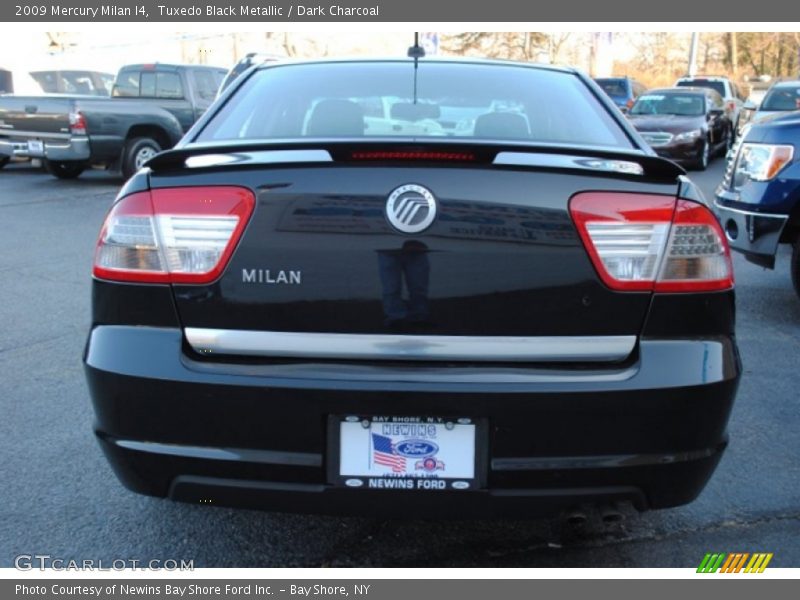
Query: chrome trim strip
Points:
[568, 161]
[345, 346]
[258, 157]
[267, 457]
[750, 213]
[547, 463]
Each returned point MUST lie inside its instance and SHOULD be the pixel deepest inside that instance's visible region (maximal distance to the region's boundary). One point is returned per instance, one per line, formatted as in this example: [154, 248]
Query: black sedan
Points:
[412, 287]
[687, 125]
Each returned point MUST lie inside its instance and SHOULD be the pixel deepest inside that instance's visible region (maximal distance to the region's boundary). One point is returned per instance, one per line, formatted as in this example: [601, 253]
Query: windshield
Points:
[717, 86]
[380, 99]
[688, 105]
[782, 98]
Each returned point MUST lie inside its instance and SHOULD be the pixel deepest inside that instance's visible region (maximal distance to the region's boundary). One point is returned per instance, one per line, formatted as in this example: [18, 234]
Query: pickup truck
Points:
[731, 93]
[758, 201]
[150, 108]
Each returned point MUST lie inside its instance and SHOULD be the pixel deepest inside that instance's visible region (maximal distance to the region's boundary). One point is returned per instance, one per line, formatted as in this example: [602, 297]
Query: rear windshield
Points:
[616, 88]
[69, 82]
[782, 98]
[380, 99]
[685, 105]
[718, 86]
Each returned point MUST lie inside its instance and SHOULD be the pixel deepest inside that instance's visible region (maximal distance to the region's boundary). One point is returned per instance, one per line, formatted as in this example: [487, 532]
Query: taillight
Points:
[697, 257]
[630, 103]
[412, 155]
[172, 235]
[77, 123]
[731, 106]
[652, 243]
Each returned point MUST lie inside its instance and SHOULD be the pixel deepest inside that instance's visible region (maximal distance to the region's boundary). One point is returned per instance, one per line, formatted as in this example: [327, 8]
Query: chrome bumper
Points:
[66, 148]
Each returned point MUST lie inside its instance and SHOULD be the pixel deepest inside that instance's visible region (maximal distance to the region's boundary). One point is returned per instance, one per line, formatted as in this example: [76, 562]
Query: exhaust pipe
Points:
[611, 514]
[576, 517]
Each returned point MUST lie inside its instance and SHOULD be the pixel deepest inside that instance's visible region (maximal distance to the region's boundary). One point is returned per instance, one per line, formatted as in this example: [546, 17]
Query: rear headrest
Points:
[503, 125]
[336, 118]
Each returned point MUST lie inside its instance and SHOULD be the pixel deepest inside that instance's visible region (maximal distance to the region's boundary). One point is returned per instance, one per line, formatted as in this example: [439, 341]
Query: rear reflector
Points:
[652, 243]
[174, 235]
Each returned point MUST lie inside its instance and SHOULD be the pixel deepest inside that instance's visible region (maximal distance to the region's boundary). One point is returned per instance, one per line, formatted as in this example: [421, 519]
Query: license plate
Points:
[35, 147]
[402, 453]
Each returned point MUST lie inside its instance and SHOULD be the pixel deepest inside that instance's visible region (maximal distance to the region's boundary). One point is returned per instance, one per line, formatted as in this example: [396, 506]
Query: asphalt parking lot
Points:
[59, 497]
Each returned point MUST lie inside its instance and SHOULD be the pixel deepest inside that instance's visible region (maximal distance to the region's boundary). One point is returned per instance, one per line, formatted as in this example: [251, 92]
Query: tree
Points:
[509, 45]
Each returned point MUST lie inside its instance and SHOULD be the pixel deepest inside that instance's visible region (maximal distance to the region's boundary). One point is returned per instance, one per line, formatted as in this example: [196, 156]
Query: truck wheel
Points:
[137, 152]
[795, 266]
[4, 161]
[65, 169]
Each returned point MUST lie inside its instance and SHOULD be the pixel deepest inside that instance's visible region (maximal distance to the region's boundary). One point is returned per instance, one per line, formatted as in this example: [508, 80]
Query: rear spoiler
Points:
[635, 164]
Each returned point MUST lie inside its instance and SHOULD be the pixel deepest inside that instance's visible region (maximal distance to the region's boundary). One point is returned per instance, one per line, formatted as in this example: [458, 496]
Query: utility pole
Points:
[734, 56]
[693, 55]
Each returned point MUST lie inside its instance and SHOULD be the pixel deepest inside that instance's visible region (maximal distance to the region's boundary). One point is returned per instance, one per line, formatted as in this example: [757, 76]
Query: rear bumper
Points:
[650, 431]
[67, 148]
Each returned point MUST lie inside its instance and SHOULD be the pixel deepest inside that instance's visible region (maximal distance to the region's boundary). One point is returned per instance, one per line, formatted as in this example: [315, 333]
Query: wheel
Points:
[701, 164]
[137, 152]
[795, 266]
[64, 170]
[4, 160]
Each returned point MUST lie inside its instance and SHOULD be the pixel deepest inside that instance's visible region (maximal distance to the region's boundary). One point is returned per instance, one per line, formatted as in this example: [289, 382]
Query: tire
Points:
[64, 169]
[701, 164]
[794, 265]
[4, 161]
[726, 143]
[137, 152]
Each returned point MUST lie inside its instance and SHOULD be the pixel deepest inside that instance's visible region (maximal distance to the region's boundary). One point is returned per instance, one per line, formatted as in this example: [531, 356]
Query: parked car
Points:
[687, 125]
[758, 202]
[783, 96]
[758, 86]
[622, 90]
[731, 93]
[292, 313]
[249, 60]
[152, 106]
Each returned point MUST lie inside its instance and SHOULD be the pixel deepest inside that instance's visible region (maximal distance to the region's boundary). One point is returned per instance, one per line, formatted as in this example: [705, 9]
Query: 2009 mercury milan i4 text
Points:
[412, 287]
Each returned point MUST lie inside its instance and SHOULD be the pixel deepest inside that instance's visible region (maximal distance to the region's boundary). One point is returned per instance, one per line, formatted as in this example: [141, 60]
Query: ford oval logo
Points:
[416, 448]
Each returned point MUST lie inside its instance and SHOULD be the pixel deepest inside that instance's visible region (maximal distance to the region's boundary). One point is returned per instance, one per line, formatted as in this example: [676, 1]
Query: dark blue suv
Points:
[758, 202]
[622, 90]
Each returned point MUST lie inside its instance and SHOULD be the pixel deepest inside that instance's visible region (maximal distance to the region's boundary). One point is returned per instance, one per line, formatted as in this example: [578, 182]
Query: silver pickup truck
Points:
[150, 109]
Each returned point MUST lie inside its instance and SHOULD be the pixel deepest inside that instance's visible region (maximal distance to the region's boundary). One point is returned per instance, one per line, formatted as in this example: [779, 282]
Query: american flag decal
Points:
[384, 453]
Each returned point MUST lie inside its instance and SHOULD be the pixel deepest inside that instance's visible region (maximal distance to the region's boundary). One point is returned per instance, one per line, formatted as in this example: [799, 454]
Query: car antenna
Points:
[416, 52]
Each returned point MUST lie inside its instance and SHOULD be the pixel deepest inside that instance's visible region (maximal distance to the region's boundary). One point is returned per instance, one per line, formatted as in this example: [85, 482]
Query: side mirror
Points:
[749, 105]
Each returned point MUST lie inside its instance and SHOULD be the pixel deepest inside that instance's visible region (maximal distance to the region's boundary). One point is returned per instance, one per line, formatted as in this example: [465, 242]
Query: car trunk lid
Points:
[502, 260]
